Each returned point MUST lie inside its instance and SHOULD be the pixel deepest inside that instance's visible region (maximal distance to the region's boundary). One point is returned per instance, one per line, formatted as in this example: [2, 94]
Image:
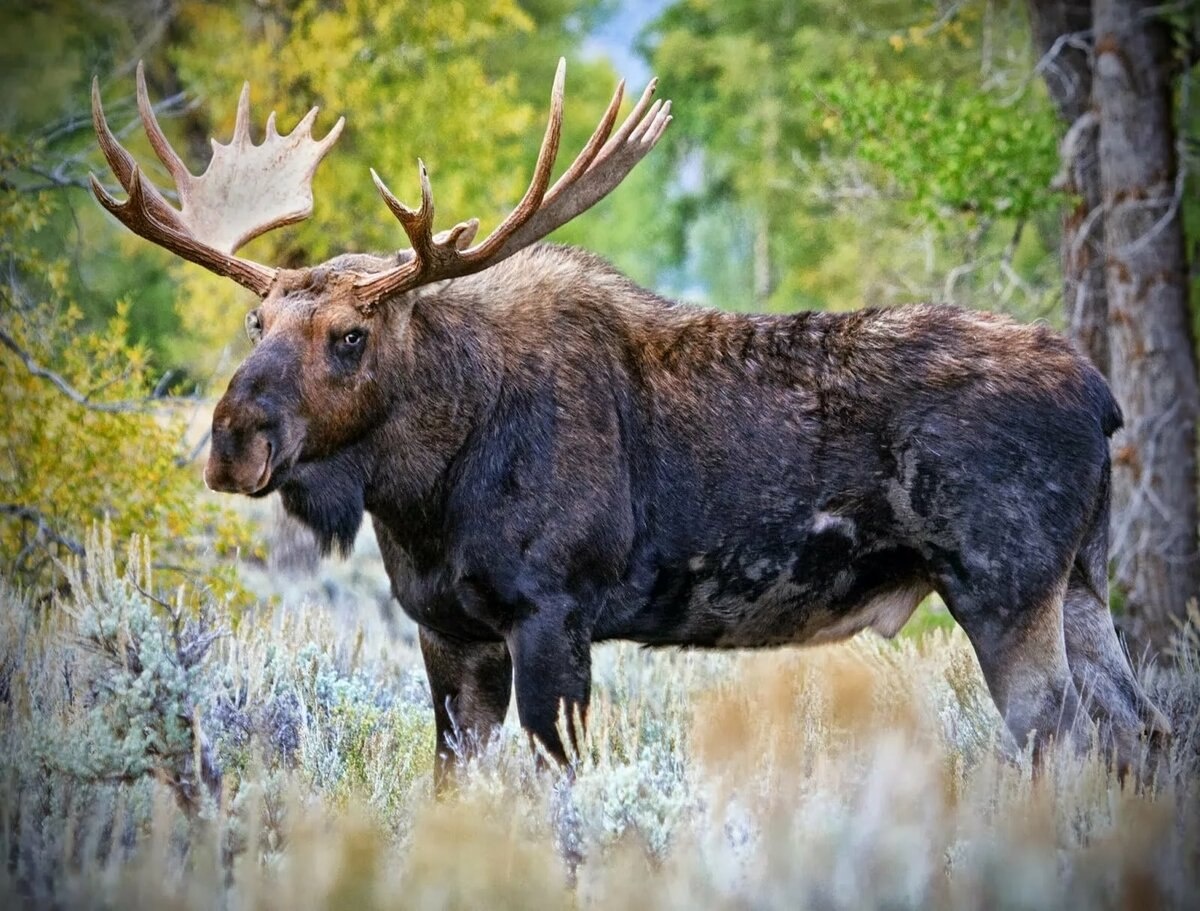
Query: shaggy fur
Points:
[553, 456]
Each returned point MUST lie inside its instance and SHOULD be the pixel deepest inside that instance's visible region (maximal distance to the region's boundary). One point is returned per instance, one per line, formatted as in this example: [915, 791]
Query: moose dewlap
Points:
[552, 456]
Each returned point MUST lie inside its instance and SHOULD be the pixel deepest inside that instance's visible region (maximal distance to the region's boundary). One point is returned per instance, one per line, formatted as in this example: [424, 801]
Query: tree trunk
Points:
[1153, 368]
[1060, 29]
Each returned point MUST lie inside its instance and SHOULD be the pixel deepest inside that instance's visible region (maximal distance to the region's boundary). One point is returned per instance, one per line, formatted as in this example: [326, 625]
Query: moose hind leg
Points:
[1105, 680]
[1022, 652]
[471, 685]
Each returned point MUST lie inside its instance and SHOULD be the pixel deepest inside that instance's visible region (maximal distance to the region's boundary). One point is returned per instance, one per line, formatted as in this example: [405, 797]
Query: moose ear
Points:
[466, 234]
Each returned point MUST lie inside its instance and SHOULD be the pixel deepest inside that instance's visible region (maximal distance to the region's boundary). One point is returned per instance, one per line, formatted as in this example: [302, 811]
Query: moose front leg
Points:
[552, 670]
[471, 684]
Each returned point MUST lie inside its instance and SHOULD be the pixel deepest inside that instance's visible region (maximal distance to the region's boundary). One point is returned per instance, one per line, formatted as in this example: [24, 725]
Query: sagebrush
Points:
[863, 775]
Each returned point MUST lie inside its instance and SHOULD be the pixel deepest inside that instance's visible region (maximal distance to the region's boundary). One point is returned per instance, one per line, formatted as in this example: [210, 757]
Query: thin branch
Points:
[54, 180]
[182, 461]
[65, 174]
[65, 126]
[42, 526]
[863, 30]
[1084, 231]
[1068, 151]
[66, 388]
[1049, 62]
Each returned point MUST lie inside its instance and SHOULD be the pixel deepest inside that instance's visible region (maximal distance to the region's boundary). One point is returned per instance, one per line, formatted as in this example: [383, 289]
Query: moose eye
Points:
[348, 347]
[254, 326]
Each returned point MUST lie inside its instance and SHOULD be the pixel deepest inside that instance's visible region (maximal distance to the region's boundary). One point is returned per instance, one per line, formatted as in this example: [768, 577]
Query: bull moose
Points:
[553, 456]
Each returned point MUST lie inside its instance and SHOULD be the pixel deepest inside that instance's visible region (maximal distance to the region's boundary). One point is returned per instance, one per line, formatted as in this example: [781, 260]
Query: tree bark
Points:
[1061, 36]
[1153, 367]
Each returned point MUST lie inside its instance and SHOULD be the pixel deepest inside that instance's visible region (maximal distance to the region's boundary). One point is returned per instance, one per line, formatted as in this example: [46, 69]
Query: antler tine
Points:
[158, 140]
[636, 136]
[118, 159]
[541, 175]
[123, 165]
[304, 127]
[602, 163]
[418, 224]
[635, 117]
[241, 123]
[593, 147]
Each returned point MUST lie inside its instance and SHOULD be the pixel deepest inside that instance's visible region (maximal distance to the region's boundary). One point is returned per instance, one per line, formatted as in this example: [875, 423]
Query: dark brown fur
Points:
[553, 456]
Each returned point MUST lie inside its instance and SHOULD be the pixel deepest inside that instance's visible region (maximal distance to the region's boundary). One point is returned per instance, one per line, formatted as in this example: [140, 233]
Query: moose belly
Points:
[784, 617]
[768, 604]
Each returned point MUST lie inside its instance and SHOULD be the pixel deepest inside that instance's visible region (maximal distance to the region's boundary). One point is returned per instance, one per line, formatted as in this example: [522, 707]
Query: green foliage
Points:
[48, 53]
[945, 152]
[842, 154]
[931, 614]
[362, 738]
[147, 674]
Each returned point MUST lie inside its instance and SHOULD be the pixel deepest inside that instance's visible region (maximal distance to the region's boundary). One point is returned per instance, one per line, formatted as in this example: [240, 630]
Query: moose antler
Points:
[600, 166]
[246, 190]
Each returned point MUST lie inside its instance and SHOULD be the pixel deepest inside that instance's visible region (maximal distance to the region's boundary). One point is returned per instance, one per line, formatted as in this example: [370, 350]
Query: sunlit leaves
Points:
[838, 154]
[945, 150]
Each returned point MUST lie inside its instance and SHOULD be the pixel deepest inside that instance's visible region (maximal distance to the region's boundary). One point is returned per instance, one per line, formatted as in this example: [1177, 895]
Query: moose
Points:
[553, 456]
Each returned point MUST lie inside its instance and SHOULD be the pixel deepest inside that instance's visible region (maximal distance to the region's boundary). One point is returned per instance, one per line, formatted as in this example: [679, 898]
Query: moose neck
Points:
[441, 382]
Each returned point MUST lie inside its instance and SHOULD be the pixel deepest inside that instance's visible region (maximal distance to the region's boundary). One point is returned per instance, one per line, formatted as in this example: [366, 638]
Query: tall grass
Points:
[156, 756]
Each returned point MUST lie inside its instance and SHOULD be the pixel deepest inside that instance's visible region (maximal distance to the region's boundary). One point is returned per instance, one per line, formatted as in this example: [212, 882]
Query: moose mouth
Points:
[275, 471]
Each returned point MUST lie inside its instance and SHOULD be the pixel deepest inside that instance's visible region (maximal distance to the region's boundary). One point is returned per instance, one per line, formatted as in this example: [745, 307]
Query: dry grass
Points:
[870, 774]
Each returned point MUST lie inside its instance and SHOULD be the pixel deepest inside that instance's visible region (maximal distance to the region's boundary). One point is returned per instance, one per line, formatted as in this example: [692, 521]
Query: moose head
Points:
[328, 338]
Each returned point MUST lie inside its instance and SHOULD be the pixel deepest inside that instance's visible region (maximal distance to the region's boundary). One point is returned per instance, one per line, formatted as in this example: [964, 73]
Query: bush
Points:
[85, 438]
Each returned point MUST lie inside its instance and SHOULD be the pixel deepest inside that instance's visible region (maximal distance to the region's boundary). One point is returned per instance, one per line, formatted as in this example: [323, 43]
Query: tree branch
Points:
[36, 369]
[1048, 63]
[182, 461]
[70, 172]
[42, 526]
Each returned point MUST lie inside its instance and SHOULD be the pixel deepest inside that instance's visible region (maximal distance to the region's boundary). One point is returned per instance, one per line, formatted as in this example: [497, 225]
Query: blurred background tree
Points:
[843, 154]
[87, 434]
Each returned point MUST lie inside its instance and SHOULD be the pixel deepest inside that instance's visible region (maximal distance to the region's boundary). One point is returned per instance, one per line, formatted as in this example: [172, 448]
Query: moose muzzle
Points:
[250, 443]
[239, 461]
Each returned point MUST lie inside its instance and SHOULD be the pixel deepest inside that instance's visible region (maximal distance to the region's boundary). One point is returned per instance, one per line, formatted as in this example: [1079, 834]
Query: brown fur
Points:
[552, 455]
